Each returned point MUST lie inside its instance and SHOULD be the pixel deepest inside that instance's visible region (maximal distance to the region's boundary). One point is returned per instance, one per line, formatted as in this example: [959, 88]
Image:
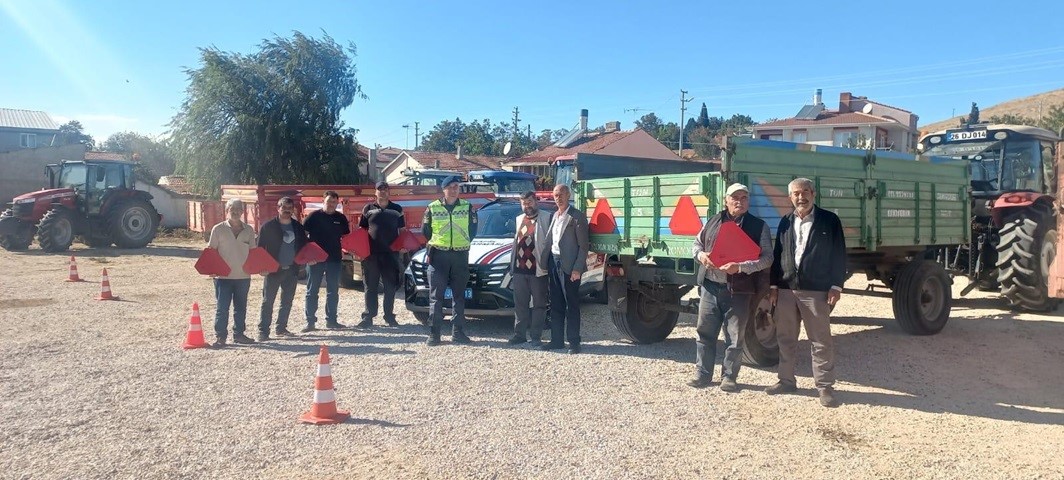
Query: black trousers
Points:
[378, 268]
[564, 306]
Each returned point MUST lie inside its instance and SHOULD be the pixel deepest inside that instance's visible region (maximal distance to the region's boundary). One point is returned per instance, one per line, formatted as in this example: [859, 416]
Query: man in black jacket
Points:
[325, 227]
[282, 237]
[807, 279]
[383, 219]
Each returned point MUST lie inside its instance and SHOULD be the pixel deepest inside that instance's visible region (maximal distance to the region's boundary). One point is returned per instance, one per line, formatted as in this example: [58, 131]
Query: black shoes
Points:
[781, 387]
[263, 337]
[433, 340]
[242, 339]
[335, 326]
[309, 328]
[516, 340]
[283, 333]
[365, 323]
[552, 346]
[701, 381]
[219, 343]
[574, 349]
[391, 322]
[461, 338]
[728, 385]
[827, 397]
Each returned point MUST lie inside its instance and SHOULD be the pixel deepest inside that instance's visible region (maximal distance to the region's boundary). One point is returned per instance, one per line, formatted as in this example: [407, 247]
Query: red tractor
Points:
[92, 200]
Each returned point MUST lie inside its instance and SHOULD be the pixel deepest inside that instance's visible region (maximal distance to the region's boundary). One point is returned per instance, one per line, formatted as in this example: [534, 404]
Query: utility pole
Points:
[416, 134]
[407, 127]
[683, 108]
[529, 131]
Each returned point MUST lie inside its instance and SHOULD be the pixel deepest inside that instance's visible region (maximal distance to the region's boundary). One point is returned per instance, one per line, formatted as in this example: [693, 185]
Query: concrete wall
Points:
[22, 171]
[10, 138]
[173, 208]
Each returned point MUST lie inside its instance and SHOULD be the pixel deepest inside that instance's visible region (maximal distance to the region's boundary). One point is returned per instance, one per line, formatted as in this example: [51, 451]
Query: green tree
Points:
[154, 157]
[444, 137]
[1012, 119]
[269, 117]
[703, 117]
[737, 123]
[649, 123]
[704, 142]
[548, 137]
[72, 132]
[1053, 120]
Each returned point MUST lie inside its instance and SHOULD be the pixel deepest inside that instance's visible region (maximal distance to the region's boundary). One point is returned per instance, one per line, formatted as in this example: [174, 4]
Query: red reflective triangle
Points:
[356, 242]
[210, 262]
[260, 261]
[406, 240]
[602, 220]
[733, 245]
[685, 219]
[311, 252]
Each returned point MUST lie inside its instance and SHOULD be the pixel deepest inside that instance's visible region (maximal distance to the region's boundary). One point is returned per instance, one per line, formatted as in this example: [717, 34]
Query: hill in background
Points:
[1026, 107]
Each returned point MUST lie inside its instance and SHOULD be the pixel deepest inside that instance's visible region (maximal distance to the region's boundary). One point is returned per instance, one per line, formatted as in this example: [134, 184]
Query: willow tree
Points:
[269, 117]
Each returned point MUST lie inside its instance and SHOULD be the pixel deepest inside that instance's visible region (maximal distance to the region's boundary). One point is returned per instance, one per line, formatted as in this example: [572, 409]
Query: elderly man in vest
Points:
[449, 225]
[727, 291]
[528, 272]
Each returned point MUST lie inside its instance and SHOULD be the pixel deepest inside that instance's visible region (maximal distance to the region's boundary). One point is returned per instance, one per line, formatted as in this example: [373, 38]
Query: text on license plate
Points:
[448, 294]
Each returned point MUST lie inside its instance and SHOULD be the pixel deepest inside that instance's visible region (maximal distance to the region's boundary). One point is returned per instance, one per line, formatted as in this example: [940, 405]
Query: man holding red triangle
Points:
[282, 237]
[727, 290]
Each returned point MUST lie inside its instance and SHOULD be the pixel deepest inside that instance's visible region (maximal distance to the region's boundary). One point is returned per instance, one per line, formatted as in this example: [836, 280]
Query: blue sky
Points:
[119, 65]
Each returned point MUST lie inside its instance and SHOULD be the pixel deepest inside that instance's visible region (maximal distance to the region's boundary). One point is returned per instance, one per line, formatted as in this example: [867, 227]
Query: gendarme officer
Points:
[449, 225]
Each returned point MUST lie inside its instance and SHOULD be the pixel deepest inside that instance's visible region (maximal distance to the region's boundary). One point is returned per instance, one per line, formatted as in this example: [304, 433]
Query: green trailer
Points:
[901, 214]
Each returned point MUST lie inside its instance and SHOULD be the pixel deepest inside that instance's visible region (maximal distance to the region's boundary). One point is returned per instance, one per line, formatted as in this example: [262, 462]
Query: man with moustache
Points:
[282, 237]
[528, 272]
[383, 220]
[325, 227]
[449, 225]
[727, 291]
[807, 279]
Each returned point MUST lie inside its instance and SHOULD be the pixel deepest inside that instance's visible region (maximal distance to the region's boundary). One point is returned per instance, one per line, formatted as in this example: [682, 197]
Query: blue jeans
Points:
[234, 292]
[719, 309]
[284, 280]
[331, 270]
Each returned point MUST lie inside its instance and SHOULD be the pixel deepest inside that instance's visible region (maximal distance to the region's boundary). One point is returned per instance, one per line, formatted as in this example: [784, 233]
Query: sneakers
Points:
[263, 337]
[242, 339]
[365, 323]
[335, 326]
[391, 322]
[516, 340]
[781, 387]
[283, 333]
[433, 340]
[827, 397]
[309, 328]
[461, 338]
[701, 381]
[219, 343]
[552, 346]
[728, 385]
[574, 348]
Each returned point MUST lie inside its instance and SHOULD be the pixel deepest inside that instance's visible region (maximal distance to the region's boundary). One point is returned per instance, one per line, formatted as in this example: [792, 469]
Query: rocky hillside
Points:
[1026, 106]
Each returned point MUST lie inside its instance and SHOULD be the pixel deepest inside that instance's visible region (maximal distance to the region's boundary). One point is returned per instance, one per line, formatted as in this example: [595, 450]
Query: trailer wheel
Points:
[760, 347]
[347, 276]
[646, 320]
[55, 233]
[1025, 251]
[922, 297]
[422, 317]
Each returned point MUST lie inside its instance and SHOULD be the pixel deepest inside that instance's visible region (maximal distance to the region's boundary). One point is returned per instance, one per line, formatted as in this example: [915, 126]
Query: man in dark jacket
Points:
[383, 219]
[727, 291]
[568, 241]
[325, 227]
[807, 279]
[282, 237]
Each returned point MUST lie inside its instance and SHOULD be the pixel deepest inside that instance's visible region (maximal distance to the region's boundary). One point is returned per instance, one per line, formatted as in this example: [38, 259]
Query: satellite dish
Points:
[867, 109]
[506, 148]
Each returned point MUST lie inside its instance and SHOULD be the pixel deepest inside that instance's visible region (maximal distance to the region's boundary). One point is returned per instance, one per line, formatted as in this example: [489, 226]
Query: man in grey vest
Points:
[728, 290]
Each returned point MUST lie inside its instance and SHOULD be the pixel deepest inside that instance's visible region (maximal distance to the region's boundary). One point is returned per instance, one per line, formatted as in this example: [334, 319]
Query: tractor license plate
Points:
[448, 294]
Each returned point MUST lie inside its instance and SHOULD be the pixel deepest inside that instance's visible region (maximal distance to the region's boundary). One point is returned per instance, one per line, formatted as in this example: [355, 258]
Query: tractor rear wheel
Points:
[1026, 249]
[133, 223]
[55, 233]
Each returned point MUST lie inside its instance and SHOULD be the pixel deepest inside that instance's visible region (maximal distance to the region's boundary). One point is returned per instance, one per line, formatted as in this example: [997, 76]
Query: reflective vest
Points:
[450, 230]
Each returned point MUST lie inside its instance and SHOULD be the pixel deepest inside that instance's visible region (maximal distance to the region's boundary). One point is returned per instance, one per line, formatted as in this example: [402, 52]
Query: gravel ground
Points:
[103, 390]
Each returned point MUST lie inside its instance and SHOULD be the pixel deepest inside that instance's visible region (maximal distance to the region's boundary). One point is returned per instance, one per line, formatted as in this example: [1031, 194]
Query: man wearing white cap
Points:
[728, 290]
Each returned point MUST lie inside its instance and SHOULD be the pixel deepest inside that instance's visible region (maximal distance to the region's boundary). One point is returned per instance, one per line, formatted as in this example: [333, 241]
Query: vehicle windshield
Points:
[499, 220]
[1020, 169]
[514, 185]
[72, 175]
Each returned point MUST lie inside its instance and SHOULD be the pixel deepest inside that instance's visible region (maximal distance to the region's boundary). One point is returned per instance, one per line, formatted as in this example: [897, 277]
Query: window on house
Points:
[845, 138]
[776, 137]
[27, 140]
[799, 136]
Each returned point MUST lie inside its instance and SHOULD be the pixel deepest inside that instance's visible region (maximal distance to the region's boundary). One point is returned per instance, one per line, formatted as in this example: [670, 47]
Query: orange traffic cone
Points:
[324, 412]
[105, 288]
[194, 339]
[74, 271]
